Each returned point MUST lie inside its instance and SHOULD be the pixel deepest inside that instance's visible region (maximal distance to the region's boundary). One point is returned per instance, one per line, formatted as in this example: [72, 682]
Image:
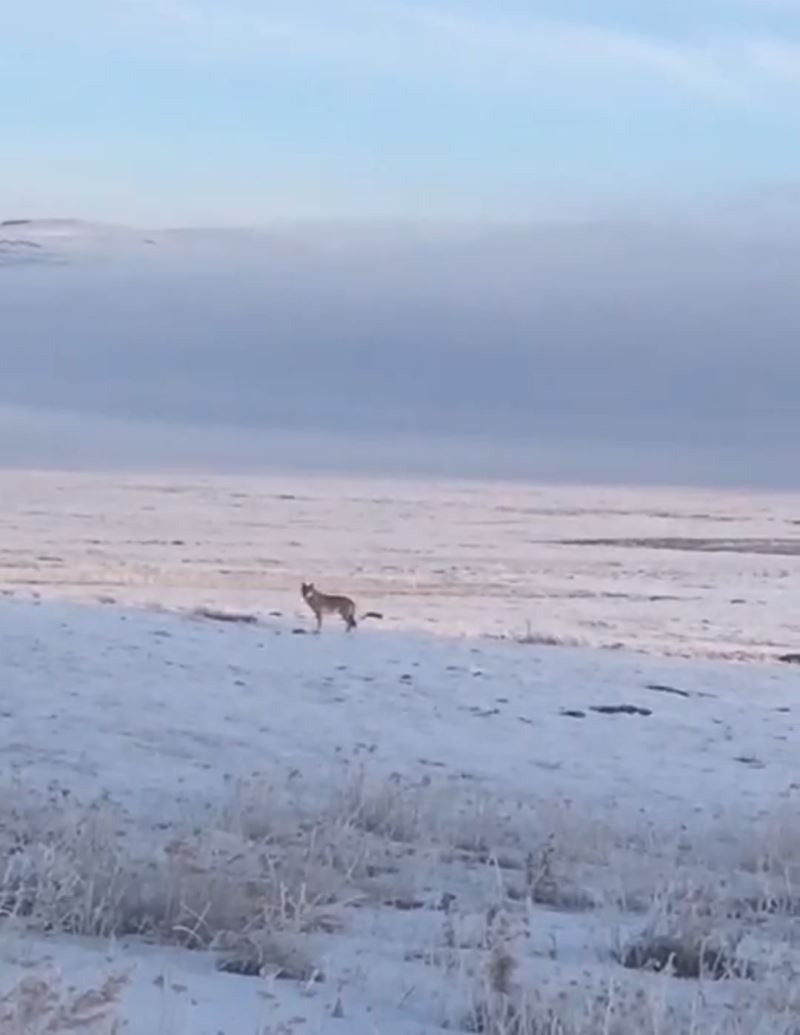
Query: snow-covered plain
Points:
[423, 825]
[693, 573]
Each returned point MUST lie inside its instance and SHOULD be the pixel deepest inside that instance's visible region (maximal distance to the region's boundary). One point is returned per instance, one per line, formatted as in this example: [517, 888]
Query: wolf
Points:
[324, 603]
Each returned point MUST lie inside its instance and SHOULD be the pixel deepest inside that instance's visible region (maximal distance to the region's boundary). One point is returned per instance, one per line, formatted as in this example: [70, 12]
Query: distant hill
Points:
[54, 241]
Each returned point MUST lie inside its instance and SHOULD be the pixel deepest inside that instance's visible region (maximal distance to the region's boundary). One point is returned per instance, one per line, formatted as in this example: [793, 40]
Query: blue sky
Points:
[240, 111]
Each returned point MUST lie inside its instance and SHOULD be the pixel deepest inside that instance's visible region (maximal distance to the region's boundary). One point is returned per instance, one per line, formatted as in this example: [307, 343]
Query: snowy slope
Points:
[25, 242]
[386, 773]
[149, 703]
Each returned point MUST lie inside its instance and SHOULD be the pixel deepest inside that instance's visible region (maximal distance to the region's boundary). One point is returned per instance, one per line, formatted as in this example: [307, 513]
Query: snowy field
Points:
[698, 574]
[439, 822]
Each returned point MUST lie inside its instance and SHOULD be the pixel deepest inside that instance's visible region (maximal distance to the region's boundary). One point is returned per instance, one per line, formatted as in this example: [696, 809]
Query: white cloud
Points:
[581, 45]
[432, 38]
[776, 59]
[722, 65]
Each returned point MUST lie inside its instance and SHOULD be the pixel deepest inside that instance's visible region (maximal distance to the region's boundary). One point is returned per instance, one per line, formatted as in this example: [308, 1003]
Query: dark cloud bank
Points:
[573, 353]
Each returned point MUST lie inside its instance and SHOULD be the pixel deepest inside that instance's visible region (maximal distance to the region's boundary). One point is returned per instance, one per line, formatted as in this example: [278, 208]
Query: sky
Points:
[548, 240]
[214, 112]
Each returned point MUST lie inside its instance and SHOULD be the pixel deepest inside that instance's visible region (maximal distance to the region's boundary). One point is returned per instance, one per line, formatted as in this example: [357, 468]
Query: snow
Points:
[132, 701]
[25, 242]
[450, 559]
[418, 758]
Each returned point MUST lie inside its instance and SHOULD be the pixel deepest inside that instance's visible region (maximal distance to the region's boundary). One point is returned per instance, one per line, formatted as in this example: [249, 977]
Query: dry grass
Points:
[42, 1005]
[275, 954]
[214, 614]
[686, 956]
[533, 638]
[259, 879]
[508, 998]
[83, 871]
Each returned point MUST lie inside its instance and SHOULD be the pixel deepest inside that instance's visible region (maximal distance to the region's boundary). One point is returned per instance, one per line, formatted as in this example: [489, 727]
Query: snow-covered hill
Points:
[59, 241]
[414, 832]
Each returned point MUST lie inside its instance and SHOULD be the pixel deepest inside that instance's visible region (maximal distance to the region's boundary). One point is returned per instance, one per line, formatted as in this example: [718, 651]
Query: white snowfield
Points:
[212, 826]
[692, 573]
[150, 706]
